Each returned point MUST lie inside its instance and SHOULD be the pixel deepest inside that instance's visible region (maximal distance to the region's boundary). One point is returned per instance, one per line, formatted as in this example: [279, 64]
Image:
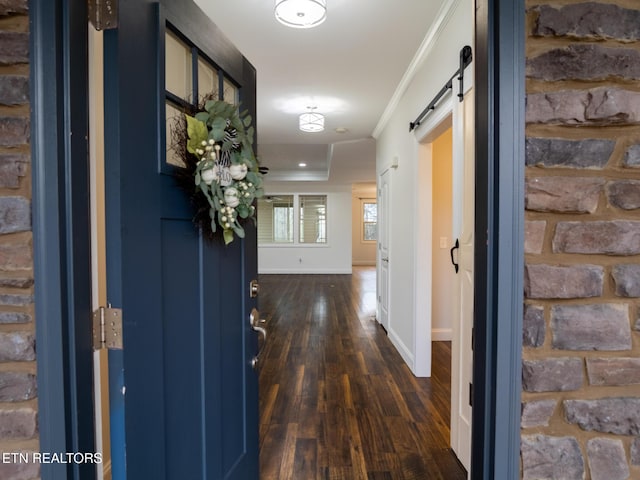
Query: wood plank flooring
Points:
[336, 400]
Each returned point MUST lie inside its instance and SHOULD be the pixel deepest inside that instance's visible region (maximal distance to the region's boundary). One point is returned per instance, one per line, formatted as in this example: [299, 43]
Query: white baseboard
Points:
[306, 271]
[441, 334]
[404, 352]
[437, 335]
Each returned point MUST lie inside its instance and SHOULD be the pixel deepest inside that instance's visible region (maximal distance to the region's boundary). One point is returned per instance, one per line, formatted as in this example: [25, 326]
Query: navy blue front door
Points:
[189, 394]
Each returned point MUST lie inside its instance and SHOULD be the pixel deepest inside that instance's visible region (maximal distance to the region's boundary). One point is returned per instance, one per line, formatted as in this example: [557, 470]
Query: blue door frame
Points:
[61, 234]
[61, 226]
[499, 232]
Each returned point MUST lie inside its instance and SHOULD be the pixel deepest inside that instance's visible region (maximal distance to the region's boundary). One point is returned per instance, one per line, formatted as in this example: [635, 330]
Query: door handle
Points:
[456, 246]
[255, 322]
[385, 260]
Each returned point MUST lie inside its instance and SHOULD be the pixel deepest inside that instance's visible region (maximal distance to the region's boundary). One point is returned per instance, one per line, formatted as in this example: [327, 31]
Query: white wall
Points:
[333, 257]
[363, 253]
[408, 277]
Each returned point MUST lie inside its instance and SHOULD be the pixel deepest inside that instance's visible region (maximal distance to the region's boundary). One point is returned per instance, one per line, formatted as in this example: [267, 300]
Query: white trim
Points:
[402, 349]
[363, 263]
[423, 333]
[294, 245]
[434, 125]
[422, 271]
[429, 42]
[441, 334]
[329, 161]
[391, 165]
[311, 271]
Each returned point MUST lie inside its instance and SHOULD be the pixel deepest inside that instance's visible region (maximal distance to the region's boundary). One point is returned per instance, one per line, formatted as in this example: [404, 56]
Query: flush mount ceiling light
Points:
[311, 121]
[301, 13]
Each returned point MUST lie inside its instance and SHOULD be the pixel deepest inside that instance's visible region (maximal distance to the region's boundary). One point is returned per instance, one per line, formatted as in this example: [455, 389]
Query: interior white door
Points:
[383, 249]
[463, 227]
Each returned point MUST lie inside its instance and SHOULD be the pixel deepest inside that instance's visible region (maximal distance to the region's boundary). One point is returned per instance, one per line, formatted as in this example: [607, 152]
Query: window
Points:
[369, 220]
[292, 219]
[207, 79]
[275, 219]
[313, 219]
[185, 92]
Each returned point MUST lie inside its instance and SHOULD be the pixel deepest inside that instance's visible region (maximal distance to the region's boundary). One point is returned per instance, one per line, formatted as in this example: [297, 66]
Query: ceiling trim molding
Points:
[329, 159]
[429, 42]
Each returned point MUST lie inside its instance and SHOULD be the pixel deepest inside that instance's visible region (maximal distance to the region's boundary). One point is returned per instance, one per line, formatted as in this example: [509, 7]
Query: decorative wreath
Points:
[217, 150]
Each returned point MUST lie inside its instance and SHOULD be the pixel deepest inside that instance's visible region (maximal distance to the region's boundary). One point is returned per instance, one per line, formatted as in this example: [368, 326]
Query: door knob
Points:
[256, 326]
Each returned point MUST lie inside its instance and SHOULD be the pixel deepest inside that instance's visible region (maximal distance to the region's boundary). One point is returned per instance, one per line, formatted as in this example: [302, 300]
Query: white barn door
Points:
[463, 228]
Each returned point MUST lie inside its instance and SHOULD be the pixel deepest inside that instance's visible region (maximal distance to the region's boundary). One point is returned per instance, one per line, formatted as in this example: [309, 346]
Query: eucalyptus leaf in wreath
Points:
[221, 172]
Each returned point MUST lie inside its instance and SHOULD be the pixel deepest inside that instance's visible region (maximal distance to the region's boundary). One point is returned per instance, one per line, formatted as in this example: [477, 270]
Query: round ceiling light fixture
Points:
[311, 121]
[301, 13]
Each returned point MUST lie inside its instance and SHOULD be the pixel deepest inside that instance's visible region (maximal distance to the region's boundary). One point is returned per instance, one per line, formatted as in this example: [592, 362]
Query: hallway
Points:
[336, 400]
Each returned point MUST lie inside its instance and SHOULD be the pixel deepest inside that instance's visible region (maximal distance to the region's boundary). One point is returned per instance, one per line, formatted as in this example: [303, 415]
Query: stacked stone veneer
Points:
[18, 403]
[581, 365]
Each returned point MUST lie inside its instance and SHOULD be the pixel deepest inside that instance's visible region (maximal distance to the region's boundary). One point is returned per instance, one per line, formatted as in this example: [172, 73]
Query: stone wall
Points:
[581, 365]
[18, 403]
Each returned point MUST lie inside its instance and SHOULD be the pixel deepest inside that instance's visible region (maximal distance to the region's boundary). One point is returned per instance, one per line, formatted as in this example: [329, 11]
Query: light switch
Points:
[443, 242]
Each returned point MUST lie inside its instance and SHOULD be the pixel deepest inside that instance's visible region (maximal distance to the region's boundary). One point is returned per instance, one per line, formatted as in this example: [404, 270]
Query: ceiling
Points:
[349, 67]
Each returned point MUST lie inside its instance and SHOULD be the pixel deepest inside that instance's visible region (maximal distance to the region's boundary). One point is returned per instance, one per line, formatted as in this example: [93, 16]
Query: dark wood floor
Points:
[336, 400]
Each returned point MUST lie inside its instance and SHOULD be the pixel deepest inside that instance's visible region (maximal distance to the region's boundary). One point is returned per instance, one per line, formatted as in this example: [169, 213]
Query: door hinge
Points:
[471, 394]
[107, 328]
[254, 288]
[103, 14]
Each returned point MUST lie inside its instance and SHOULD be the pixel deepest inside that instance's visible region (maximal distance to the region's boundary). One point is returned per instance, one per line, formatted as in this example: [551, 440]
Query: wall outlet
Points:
[443, 242]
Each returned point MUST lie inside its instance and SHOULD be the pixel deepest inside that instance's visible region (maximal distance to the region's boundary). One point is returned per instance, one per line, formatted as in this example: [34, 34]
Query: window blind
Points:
[313, 219]
[275, 219]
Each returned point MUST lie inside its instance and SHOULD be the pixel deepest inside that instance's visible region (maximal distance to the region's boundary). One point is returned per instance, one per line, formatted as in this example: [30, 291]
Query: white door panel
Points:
[462, 355]
[383, 249]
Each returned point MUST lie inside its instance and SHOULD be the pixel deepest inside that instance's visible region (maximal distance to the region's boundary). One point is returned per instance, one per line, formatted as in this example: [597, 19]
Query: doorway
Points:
[445, 226]
[443, 243]
[98, 253]
[497, 443]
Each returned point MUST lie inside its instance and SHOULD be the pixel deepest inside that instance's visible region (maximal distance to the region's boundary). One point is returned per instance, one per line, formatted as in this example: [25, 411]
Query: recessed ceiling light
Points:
[341, 130]
[302, 164]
